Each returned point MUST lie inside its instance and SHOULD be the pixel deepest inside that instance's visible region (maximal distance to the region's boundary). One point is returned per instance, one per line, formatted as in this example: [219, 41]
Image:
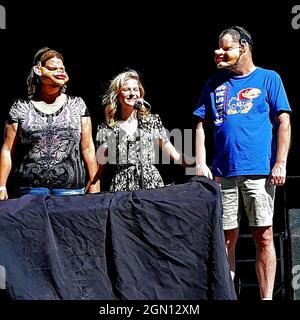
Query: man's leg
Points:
[231, 237]
[265, 260]
[259, 205]
[231, 217]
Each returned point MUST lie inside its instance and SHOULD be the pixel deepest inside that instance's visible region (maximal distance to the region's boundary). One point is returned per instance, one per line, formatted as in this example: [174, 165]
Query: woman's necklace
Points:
[130, 120]
[130, 124]
[50, 108]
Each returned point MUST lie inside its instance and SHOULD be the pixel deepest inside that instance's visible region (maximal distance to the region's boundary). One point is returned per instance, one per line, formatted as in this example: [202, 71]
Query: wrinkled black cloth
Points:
[162, 244]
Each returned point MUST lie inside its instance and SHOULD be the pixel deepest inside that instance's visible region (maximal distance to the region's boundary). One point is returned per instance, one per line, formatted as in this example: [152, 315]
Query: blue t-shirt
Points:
[243, 109]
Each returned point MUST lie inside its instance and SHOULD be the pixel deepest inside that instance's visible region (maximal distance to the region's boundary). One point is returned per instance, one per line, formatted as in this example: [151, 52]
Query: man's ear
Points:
[244, 46]
[37, 70]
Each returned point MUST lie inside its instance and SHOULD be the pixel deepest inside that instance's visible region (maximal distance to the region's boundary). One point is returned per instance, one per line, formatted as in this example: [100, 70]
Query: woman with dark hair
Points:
[50, 134]
[128, 137]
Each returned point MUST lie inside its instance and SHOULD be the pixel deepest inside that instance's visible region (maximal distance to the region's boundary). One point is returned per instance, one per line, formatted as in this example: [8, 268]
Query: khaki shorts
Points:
[253, 194]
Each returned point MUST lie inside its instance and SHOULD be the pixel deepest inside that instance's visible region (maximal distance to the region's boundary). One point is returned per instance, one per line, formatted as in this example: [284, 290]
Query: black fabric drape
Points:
[163, 244]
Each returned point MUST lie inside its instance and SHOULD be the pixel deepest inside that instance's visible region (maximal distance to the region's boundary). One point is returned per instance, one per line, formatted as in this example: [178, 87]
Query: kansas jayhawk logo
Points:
[242, 103]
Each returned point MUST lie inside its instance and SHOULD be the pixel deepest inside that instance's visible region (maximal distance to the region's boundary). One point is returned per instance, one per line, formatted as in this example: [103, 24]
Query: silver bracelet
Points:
[199, 165]
[2, 188]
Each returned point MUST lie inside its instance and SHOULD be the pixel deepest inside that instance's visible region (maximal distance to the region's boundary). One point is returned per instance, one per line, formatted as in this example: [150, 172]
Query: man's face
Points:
[228, 53]
[53, 72]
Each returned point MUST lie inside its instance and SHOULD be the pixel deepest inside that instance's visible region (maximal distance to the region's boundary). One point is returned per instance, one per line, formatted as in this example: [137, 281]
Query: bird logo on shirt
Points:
[242, 103]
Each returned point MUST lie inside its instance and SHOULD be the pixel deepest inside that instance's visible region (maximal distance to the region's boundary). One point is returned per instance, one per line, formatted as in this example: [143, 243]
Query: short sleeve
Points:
[159, 132]
[84, 112]
[101, 136]
[277, 95]
[204, 102]
[14, 114]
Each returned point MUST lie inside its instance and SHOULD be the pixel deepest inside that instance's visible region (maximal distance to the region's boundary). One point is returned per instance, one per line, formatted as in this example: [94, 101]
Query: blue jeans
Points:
[21, 191]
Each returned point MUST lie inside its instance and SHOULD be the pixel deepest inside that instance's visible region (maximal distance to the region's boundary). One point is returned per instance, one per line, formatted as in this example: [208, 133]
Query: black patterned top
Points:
[48, 150]
[133, 155]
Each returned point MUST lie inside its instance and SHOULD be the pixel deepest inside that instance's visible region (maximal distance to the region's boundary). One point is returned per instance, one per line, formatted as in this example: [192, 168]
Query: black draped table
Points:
[162, 244]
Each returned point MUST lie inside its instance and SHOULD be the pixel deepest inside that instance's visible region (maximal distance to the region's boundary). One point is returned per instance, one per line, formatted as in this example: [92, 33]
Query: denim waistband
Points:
[21, 191]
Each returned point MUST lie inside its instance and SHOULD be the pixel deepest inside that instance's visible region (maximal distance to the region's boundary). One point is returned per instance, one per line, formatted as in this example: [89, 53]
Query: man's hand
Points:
[203, 170]
[277, 175]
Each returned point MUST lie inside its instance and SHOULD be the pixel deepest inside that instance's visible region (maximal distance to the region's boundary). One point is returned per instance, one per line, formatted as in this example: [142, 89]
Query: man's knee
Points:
[263, 236]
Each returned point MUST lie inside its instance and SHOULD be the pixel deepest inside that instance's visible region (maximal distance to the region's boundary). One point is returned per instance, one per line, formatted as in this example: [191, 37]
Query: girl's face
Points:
[129, 93]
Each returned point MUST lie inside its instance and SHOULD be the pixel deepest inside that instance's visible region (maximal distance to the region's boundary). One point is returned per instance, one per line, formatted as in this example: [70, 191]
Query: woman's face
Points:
[129, 93]
[53, 72]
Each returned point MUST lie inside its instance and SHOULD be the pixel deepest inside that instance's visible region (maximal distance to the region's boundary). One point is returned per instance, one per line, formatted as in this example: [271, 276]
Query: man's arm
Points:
[278, 172]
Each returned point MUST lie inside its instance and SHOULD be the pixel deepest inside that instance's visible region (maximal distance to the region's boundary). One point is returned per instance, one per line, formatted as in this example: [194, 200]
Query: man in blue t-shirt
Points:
[251, 115]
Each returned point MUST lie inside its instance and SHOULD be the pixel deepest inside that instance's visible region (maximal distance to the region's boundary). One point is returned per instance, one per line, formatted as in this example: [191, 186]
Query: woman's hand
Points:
[94, 188]
[3, 194]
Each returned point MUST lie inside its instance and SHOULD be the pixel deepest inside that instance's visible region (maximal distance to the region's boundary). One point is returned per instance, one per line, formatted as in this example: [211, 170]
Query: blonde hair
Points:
[110, 98]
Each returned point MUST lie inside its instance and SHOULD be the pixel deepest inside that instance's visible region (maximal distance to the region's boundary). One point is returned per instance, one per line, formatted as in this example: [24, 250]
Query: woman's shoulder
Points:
[104, 132]
[153, 118]
[72, 98]
[19, 109]
[102, 127]
[20, 101]
[77, 105]
[20, 104]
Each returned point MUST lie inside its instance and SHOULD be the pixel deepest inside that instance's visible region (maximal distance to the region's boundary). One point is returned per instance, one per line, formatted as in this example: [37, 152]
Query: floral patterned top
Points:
[48, 150]
[133, 155]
